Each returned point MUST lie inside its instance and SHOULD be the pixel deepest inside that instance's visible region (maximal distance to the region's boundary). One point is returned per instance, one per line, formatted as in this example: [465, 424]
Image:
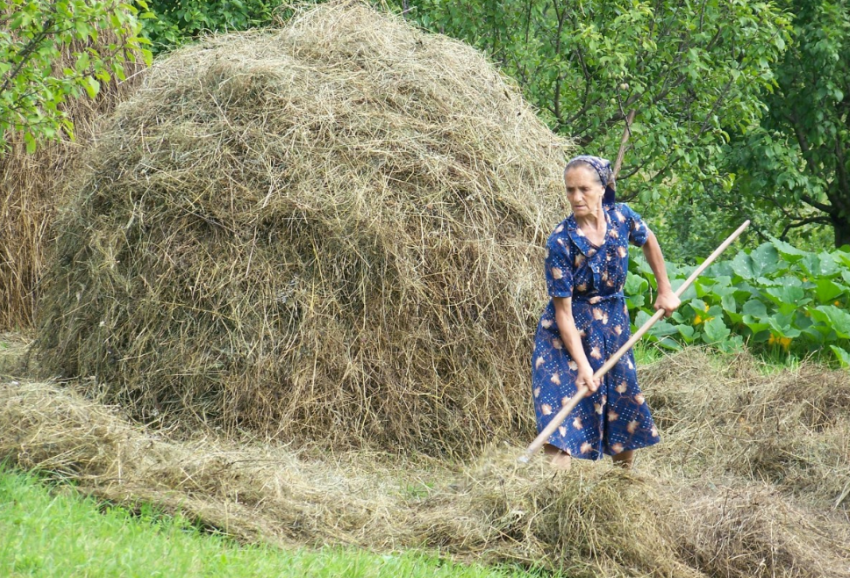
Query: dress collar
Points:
[581, 241]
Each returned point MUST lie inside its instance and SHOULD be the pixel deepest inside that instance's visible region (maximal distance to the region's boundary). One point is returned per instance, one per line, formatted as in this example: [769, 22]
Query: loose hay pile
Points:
[330, 231]
[691, 509]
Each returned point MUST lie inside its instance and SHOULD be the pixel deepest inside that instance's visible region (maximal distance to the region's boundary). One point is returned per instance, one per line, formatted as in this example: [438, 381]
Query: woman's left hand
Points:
[668, 301]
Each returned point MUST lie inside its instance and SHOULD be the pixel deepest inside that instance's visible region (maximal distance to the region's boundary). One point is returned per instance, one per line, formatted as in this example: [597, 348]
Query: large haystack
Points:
[329, 231]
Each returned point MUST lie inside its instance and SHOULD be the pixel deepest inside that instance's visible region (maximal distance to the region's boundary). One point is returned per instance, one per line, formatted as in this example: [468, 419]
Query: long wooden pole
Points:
[612, 361]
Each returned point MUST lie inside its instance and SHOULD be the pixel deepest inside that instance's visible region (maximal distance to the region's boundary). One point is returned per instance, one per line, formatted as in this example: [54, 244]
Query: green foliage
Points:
[794, 165]
[776, 298]
[57, 535]
[177, 22]
[693, 71]
[53, 51]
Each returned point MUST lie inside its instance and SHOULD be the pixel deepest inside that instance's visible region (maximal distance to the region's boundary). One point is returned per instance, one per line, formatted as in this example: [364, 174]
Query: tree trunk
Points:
[841, 226]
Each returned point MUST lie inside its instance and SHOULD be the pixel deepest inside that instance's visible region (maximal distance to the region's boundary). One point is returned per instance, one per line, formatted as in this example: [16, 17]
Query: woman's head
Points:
[584, 189]
[598, 172]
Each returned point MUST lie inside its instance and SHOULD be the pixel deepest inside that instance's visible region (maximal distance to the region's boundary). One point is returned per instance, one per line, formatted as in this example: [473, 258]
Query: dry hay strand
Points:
[330, 231]
[13, 351]
[595, 520]
[734, 416]
[252, 492]
[33, 185]
[754, 532]
[489, 511]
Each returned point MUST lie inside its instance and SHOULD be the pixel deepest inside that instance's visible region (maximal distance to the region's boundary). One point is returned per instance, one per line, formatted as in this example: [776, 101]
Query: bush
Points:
[776, 299]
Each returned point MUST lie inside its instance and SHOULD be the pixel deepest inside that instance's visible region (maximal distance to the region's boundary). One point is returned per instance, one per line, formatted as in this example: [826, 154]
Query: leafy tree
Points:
[795, 166]
[53, 50]
[693, 71]
[180, 21]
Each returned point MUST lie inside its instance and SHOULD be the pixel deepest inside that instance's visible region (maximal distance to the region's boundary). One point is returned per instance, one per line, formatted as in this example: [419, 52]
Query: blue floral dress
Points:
[615, 418]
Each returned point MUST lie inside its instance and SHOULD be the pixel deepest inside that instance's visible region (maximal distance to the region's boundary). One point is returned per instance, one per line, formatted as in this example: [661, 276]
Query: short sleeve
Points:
[638, 231]
[559, 275]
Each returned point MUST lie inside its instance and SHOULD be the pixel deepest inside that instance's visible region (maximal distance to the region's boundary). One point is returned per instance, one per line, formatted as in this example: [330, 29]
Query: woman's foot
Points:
[625, 460]
[561, 460]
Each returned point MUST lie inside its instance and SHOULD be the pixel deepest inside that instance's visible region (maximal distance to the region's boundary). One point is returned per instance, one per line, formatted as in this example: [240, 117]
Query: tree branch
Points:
[802, 223]
[30, 49]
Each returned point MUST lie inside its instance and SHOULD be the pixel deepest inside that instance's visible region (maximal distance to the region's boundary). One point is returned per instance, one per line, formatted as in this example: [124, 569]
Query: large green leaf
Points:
[670, 344]
[689, 293]
[635, 301]
[781, 326]
[755, 308]
[663, 329]
[828, 265]
[744, 291]
[641, 318]
[842, 257]
[719, 286]
[721, 281]
[765, 260]
[755, 325]
[818, 333]
[742, 266]
[788, 252]
[789, 280]
[635, 284]
[720, 269]
[714, 311]
[837, 319]
[842, 355]
[715, 330]
[687, 332]
[733, 343]
[787, 298]
[827, 290]
[728, 302]
[820, 265]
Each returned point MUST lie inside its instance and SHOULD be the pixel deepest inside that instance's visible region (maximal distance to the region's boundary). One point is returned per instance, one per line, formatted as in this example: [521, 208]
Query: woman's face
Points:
[584, 191]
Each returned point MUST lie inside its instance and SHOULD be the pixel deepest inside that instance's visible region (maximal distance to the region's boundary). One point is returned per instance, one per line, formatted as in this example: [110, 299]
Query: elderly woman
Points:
[587, 320]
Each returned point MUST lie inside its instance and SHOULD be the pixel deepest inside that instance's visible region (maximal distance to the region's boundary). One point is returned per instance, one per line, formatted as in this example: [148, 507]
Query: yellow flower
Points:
[783, 342]
[697, 319]
[706, 306]
[836, 303]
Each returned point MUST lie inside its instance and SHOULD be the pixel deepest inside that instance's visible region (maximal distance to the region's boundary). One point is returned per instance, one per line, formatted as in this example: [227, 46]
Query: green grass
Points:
[647, 353]
[53, 533]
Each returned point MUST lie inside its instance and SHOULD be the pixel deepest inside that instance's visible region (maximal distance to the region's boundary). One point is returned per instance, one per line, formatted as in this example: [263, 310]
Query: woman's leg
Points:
[560, 459]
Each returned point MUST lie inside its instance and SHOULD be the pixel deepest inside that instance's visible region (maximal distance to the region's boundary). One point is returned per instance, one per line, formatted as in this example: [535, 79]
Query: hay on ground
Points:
[790, 428]
[685, 512]
[330, 231]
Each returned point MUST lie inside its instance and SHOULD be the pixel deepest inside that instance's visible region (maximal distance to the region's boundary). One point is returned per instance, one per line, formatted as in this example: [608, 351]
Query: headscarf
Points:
[606, 174]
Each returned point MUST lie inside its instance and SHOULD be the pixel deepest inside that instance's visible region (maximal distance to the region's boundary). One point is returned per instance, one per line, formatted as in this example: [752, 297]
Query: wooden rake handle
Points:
[612, 361]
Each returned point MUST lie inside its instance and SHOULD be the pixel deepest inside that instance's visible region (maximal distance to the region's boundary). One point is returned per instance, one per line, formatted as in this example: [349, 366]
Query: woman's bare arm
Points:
[572, 341]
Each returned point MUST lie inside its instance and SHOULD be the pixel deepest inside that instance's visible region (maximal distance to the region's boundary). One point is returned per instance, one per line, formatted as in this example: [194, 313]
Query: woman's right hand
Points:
[584, 378]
